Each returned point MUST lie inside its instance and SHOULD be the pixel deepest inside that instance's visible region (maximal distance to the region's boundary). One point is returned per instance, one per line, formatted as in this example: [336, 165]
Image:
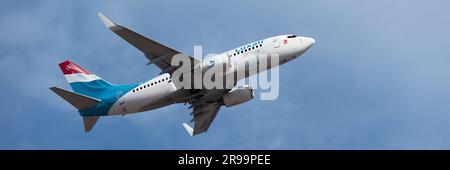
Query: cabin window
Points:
[291, 36]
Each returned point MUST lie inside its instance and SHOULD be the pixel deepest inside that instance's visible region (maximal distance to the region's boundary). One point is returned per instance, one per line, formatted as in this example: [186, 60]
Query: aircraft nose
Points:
[308, 42]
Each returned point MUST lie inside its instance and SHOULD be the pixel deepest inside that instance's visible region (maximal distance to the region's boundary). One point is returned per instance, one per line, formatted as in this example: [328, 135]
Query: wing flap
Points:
[204, 118]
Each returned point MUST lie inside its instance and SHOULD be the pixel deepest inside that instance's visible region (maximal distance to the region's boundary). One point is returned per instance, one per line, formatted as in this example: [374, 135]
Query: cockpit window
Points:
[291, 36]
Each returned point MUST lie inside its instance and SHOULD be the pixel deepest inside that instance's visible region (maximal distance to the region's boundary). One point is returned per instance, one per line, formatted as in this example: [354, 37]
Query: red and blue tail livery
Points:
[75, 73]
[92, 96]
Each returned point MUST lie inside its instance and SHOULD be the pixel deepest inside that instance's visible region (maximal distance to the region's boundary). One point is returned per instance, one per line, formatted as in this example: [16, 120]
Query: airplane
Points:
[95, 97]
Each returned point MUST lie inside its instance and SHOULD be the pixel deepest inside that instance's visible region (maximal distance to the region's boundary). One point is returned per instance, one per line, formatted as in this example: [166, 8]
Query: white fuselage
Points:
[153, 93]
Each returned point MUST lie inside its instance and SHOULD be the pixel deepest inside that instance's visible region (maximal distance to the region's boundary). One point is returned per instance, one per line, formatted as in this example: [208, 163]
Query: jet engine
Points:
[217, 63]
[238, 95]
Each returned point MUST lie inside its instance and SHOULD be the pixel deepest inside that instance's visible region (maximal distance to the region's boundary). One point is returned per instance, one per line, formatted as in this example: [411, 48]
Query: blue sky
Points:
[378, 76]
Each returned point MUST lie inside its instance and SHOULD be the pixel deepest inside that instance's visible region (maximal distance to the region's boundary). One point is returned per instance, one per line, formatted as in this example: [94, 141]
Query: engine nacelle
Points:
[239, 95]
[218, 63]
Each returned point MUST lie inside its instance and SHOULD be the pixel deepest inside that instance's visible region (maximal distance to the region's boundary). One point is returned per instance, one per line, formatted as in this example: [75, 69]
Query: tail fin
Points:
[83, 81]
[92, 95]
[89, 122]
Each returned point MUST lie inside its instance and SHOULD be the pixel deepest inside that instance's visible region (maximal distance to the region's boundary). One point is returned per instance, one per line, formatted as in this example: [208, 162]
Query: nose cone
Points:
[307, 42]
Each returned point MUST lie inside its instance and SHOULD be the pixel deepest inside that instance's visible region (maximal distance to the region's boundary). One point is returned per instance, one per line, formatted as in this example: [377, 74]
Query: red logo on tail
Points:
[68, 67]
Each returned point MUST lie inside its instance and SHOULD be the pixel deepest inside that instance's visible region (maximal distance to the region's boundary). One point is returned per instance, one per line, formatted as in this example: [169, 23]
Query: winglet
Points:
[189, 130]
[108, 23]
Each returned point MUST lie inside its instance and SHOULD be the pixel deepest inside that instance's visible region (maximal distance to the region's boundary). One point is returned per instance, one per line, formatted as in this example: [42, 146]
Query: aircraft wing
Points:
[203, 117]
[157, 53]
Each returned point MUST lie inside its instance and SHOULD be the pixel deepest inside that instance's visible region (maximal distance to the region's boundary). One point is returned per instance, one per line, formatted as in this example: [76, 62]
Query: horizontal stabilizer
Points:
[189, 130]
[81, 102]
[89, 122]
